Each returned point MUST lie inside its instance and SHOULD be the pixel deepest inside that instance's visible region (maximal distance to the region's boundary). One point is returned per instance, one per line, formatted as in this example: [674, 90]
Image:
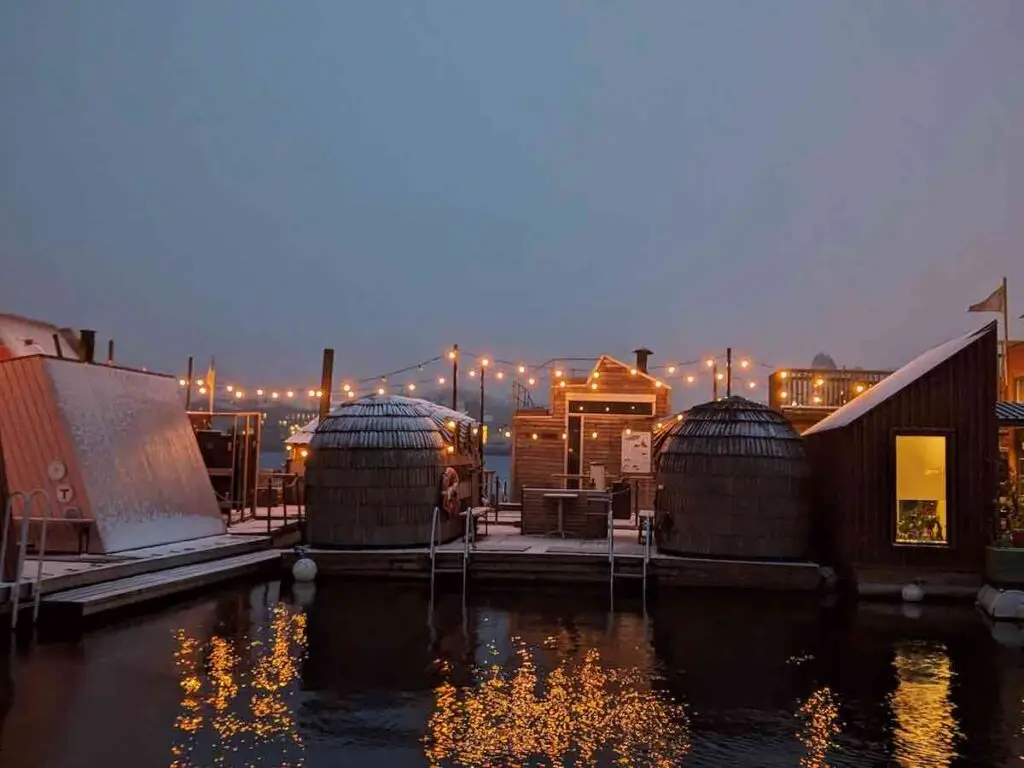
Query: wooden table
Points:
[561, 496]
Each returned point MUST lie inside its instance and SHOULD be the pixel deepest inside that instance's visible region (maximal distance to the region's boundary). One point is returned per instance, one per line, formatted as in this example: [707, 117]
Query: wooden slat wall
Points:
[854, 468]
[535, 461]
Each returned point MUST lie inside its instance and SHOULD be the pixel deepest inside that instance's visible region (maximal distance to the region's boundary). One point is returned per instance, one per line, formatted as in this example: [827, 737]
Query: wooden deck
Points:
[77, 604]
[62, 574]
[505, 555]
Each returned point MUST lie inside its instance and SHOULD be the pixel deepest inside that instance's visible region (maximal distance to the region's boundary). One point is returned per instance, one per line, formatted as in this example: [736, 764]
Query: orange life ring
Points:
[450, 491]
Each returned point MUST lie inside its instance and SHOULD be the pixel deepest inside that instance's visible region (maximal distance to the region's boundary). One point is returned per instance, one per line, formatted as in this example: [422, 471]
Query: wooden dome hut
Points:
[380, 465]
[732, 480]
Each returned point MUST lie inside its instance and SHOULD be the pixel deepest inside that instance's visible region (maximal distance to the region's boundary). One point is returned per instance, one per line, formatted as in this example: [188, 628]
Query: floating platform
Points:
[513, 557]
[85, 602]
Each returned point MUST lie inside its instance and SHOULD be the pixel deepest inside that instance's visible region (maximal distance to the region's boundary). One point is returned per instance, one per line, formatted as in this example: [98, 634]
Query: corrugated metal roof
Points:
[896, 382]
[1010, 414]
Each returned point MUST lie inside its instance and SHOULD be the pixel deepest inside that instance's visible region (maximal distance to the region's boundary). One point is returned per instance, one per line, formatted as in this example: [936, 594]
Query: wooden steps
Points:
[86, 601]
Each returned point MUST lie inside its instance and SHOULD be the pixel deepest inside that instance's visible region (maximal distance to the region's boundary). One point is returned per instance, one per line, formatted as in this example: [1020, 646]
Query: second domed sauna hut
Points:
[376, 468]
[732, 482]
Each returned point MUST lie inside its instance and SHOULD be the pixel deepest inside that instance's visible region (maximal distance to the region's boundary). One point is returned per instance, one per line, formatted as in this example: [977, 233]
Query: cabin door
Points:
[574, 451]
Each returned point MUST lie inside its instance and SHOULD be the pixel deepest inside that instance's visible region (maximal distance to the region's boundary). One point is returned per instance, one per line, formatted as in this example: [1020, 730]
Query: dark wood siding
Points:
[853, 468]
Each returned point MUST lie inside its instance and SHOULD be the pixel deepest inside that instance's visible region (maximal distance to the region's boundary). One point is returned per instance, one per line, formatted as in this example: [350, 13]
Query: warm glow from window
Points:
[921, 513]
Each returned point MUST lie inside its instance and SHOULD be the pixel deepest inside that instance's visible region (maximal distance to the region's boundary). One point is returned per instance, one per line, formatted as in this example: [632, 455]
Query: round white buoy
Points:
[304, 569]
[912, 593]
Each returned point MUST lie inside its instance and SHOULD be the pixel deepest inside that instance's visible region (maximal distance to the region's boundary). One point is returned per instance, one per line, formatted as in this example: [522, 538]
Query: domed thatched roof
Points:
[375, 476]
[734, 426]
[732, 477]
[388, 422]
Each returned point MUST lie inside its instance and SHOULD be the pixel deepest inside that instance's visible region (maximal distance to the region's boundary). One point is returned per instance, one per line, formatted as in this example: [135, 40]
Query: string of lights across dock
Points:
[411, 379]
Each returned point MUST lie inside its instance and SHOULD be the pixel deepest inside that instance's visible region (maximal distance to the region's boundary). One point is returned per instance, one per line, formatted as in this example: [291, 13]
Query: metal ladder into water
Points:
[466, 542]
[14, 587]
[645, 558]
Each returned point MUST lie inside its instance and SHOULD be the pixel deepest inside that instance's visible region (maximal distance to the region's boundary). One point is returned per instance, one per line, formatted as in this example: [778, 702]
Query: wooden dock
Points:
[505, 555]
[84, 602]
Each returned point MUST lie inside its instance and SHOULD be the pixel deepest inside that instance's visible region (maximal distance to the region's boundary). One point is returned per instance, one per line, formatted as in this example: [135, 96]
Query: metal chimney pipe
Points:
[641, 358]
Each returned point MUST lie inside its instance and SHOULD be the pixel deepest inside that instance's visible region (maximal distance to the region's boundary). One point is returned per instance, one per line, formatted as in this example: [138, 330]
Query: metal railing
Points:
[646, 558]
[26, 501]
[468, 538]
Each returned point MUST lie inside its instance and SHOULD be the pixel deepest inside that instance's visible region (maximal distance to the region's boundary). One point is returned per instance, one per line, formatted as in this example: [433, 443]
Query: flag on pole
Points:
[996, 302]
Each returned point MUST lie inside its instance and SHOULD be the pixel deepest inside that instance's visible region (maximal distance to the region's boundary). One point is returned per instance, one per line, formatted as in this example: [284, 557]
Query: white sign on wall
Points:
[636, 453]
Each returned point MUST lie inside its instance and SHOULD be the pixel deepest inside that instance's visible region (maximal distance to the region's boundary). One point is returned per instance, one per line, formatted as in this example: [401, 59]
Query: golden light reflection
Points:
[573, 715]
[242, 699]
[926, 726]
[820, 716]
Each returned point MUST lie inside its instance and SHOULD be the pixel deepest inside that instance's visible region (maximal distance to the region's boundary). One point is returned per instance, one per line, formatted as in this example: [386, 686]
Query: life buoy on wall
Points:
[450, 491]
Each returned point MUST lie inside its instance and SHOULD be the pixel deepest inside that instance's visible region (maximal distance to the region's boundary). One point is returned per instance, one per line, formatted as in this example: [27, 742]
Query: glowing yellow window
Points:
[921, 510]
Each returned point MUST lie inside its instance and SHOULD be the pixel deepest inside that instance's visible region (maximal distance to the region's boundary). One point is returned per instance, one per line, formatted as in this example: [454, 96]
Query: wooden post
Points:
[188, 385]
[56, 345]
[211, 382]
[455, 378]
[728, 371]
[714, 381]
[326, 374]
[110, 352]
[88, 354]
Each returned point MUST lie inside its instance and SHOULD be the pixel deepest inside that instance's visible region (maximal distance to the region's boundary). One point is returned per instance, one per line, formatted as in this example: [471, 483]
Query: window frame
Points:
[950, 436]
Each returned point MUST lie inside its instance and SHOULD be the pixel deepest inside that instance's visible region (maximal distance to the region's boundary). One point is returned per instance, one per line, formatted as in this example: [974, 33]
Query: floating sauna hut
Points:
[732, 481]
[297, 447]
[379, 467]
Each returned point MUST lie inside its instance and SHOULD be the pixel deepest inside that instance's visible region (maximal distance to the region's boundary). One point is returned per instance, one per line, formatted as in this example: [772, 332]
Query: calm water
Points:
[365, 675]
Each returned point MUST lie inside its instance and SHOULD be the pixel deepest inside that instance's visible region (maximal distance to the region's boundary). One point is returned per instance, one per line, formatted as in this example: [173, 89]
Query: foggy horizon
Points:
[530, 182]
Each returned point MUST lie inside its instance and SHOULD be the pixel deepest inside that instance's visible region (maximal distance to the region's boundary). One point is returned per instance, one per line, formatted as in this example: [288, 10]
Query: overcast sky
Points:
[258, 180]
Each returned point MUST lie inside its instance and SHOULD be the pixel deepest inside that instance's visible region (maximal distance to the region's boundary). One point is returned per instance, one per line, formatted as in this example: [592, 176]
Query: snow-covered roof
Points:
[304, 435]
[23, 336]
[896, 382]
[628, 367]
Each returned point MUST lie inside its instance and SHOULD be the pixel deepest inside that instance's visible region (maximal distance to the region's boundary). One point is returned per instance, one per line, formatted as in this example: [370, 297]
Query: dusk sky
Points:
[258, 180]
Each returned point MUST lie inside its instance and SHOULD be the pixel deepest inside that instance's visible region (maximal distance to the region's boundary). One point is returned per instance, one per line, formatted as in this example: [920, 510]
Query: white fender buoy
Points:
[912, 593]
[304, 593]
[304, 570]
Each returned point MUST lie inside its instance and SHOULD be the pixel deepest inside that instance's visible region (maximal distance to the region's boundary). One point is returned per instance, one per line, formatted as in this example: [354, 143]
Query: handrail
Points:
[647, 551]
[465, 545]
[26, 500]
[433, 542]
[41, 554]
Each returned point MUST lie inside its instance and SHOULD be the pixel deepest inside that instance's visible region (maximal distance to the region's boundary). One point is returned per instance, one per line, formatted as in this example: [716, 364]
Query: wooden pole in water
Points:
[326, 375]
[188, 385]
[728, 371]
[455, 377]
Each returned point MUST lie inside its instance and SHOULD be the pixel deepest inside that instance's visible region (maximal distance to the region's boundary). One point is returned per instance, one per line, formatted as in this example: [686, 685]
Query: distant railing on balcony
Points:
[819, 388]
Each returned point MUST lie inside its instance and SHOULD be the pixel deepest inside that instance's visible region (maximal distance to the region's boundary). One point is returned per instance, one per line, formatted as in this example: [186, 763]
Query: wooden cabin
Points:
[606, 419]
[904, 476]
[378, 468]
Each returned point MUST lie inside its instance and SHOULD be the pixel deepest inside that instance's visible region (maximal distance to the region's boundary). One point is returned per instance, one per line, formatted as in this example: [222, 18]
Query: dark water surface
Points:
[359, 674]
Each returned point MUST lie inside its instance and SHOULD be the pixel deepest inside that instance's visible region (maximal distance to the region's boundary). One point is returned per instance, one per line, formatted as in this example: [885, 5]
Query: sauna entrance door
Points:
[574, 451]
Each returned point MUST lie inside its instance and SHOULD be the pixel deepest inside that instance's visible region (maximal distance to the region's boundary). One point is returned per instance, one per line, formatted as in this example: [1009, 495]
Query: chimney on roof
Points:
[87, 350]
[641, 358]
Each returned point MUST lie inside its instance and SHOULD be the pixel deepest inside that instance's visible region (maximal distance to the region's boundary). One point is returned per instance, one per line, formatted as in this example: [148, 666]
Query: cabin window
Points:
[611, 407]
[922, 514]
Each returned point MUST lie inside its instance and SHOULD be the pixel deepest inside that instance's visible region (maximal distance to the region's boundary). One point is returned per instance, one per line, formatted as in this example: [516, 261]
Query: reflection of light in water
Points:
[582, 709]
[926, 726]
[239, 699]
[820, 715]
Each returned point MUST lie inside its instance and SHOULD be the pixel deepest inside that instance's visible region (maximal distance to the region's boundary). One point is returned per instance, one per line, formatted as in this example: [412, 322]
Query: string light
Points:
[351, 394]
[239, 394]
[290, 393]
[202, 390]
[500, 375]
[594, 435]
[752, 384]
[440, 379]
[689, 379]
[229, 388]
[380, 391]
[412, 387]
[274, 395]
[558, 373]
[744, 363]
[709, 363]
[671, 369]
[532, 381]
[522, 369]
[346, 388]
[182, 382]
